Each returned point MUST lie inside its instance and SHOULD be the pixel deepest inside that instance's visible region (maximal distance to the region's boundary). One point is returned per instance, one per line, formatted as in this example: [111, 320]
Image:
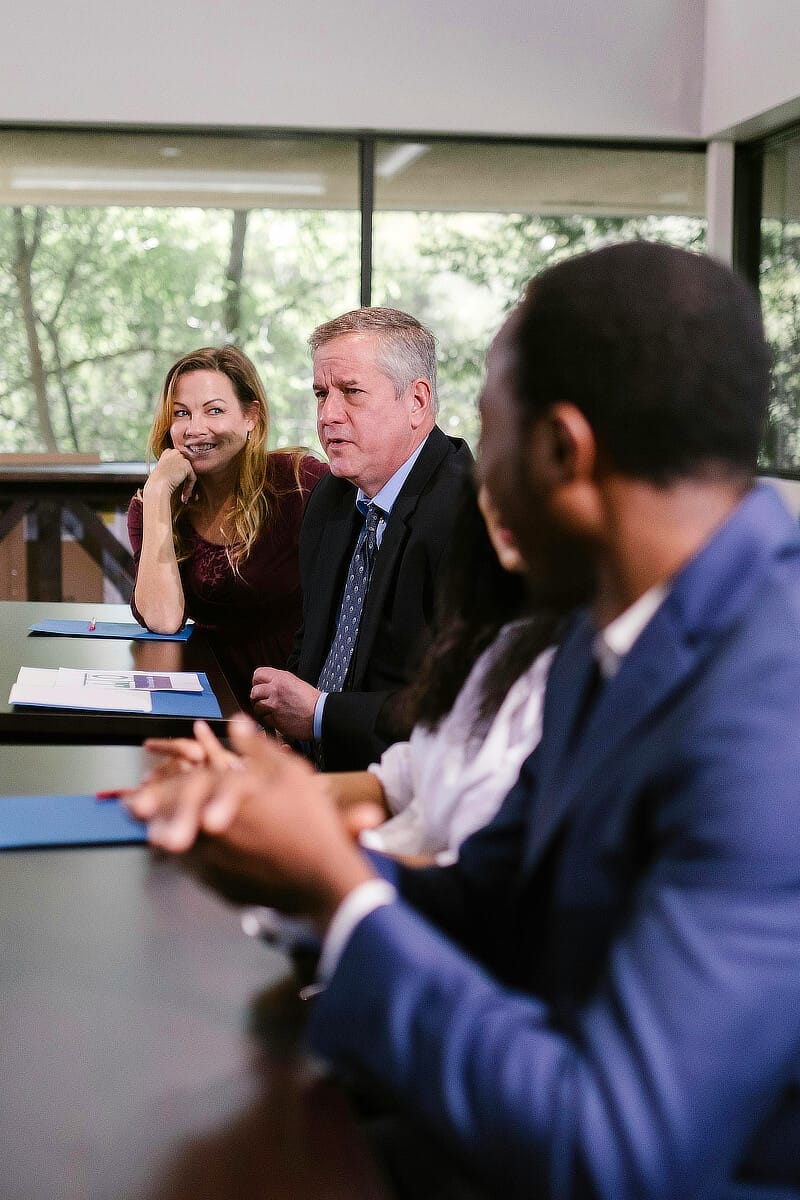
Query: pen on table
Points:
[111, 794]
[93, 625]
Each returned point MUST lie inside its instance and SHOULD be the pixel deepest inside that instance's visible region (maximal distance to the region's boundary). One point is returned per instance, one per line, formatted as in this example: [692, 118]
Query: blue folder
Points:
[33, 821]
[164, 704]
[127, 630]
[188, 704]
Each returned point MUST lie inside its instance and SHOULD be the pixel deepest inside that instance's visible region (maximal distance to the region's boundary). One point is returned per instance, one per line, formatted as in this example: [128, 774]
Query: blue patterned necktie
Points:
[334, 673]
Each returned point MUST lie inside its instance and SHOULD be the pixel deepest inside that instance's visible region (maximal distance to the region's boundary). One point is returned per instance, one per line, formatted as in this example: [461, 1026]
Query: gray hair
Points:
[407, 349]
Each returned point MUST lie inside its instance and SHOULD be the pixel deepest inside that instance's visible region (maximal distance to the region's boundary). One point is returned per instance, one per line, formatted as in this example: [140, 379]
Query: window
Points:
[779, 282]
[460, 227]
[122, 251]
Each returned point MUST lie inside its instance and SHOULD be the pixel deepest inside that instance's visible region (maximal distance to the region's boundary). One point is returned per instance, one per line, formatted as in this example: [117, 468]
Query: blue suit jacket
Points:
[616, 1009]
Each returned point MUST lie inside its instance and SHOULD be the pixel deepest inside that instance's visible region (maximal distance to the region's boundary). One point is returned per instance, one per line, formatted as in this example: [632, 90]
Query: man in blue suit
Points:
[602, 997]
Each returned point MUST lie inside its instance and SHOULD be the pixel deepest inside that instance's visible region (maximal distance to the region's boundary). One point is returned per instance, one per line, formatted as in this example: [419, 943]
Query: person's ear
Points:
[254, 417]
[420, 391]
[574, 446]
[572, 452]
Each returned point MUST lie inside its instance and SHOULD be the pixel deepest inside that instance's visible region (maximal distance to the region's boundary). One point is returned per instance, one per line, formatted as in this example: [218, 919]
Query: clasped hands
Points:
[257, 825]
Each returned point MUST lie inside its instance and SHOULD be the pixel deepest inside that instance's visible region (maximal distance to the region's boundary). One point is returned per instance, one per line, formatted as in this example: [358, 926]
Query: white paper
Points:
[41, 686]
[128, 681]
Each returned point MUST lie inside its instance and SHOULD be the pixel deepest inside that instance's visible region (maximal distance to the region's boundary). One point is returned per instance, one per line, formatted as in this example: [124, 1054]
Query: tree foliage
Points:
[95, 303]
[780, 296]
[461, 273]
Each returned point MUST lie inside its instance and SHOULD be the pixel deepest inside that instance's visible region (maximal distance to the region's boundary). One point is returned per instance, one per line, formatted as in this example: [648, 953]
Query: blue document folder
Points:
[188, 704]
[163, 704]
[32, 821]
[127, 630]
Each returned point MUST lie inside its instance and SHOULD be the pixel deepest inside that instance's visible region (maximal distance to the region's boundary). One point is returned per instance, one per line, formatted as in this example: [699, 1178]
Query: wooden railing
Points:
[65, 494]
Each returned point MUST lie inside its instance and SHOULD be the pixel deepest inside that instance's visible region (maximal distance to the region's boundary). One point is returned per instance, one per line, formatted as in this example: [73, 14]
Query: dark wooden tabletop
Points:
[149, 1050]
[18, 649]
[115, 481]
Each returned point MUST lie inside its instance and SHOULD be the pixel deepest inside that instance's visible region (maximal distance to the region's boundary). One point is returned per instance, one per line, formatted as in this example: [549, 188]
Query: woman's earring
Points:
[247, 439]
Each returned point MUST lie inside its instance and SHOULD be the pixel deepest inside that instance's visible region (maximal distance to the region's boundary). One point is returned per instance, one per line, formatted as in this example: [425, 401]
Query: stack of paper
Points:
[175, 693]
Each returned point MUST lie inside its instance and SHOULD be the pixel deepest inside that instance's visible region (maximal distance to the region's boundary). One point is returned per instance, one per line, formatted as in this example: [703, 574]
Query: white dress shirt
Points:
[611, 645]
[445, 783]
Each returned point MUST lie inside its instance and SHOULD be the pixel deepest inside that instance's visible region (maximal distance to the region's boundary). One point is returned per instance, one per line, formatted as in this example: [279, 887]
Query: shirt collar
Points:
[386, 497]
[616, 640]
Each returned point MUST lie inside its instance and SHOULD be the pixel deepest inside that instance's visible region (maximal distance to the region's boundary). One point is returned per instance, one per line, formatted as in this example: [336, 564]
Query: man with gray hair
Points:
[372, 542]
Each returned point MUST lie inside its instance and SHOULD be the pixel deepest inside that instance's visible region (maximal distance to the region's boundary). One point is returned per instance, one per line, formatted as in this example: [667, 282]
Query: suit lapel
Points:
[573, 766]
[706, 598]
[392, 543]
[326, 584]
[569, 678]
[394, 539]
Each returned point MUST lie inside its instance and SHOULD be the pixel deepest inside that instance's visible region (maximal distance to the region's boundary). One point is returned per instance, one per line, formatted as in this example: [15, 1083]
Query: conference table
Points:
[18, 648]
[149, 1050]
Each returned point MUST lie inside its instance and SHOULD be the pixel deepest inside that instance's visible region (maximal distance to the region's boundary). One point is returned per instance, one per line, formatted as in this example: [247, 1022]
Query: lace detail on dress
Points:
[210, 564]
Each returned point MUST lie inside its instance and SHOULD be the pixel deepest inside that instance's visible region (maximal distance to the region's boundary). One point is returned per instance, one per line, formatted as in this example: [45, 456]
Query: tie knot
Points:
[374, 515]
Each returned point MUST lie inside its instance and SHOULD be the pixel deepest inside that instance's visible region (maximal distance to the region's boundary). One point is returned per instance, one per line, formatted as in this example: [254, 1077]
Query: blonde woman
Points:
[214, 531]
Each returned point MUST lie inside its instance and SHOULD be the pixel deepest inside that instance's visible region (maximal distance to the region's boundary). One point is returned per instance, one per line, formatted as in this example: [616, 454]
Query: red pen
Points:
[110, 794]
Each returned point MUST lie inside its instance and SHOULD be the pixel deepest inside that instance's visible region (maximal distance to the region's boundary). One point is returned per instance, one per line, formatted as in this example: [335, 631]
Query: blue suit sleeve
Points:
[652, 1086]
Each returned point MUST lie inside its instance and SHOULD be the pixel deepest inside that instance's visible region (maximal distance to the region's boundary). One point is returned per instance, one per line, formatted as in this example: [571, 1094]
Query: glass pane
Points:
[780, 299]
[460, 228]
[120, 253]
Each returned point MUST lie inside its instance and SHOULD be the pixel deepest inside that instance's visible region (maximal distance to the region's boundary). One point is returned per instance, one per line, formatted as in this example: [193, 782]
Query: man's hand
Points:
[282, 701]
[262, 831]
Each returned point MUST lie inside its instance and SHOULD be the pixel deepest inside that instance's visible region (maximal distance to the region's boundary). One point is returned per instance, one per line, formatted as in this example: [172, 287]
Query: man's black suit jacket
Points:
[359, 723]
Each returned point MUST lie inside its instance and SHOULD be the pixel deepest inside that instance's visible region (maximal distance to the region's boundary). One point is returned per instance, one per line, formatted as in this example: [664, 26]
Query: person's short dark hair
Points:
[661, 349]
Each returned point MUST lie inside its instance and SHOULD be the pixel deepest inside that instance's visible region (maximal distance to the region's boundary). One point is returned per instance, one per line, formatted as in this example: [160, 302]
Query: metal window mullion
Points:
[366, 163]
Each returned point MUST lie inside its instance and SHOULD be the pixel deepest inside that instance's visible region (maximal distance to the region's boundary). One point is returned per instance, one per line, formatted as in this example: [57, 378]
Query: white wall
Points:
[538, 67]
[662, 68]
[752, 66]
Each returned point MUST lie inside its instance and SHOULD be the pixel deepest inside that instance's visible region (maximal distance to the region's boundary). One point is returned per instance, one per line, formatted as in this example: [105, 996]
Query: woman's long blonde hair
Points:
[255, 491]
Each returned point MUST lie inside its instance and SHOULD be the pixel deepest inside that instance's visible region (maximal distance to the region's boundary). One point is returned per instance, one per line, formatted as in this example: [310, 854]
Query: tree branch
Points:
[23, 263]
[26, 380]
[52, 333]
[70, 273]
[36, 236]
[233, 275]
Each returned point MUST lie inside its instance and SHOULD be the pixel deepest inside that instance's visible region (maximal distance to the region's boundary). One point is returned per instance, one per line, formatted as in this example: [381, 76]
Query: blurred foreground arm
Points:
[265, 830]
